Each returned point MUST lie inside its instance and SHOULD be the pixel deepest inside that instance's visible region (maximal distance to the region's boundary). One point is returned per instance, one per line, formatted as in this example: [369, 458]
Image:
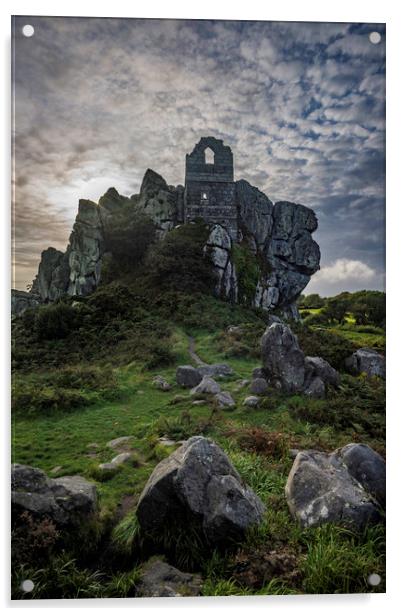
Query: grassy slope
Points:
[328, 560]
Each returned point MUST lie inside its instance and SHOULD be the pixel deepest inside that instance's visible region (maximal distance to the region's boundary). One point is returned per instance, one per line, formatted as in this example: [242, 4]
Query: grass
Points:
[329, 560]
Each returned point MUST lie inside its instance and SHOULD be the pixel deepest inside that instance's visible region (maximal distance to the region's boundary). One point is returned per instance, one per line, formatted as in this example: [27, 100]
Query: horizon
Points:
[300, 104]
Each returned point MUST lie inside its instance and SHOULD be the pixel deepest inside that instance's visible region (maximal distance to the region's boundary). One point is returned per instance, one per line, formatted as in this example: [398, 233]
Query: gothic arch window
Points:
[209, 156]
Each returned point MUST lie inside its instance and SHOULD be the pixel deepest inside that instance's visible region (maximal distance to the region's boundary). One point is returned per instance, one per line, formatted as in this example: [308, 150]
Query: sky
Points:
[302, 105]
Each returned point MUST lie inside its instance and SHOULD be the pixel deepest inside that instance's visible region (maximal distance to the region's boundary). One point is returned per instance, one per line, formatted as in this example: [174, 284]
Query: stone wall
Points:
[210, 191]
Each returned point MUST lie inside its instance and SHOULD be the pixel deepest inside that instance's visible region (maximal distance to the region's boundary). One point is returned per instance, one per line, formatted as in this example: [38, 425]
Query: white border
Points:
[388, 11]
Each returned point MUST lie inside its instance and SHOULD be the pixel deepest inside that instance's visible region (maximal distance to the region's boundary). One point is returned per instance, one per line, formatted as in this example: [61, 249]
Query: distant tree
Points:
[312, 301]
[336, 309]
[368, 308]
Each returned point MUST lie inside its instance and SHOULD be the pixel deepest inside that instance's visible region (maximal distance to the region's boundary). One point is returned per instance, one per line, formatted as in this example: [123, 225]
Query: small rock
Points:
[117, 443]
[234, 329]
[199, 402]
[93, 446]
[188, 376]
[316, 389]
[117, 461]
[164, 440]
[215, 370]
[161, 383]
[251, 401]
[241, 384]
[259, 386]
[56, 470]
[224, 400]
[206, 386]
[162, 580]
[319, 367]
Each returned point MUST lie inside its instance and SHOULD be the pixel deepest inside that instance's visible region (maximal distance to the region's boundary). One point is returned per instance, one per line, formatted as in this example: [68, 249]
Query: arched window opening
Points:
[209, 156]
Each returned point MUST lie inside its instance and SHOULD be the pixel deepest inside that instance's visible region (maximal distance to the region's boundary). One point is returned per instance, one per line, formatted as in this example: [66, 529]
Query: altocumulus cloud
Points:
[98, 101]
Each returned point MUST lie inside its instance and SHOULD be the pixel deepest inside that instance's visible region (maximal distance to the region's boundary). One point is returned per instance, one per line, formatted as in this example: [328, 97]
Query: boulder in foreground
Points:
[368, 361]
[198, 487]
[67, 501]
[346, 487]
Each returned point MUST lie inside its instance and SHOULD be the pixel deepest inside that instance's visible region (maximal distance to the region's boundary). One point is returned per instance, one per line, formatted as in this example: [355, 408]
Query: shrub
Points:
[62, 390]
[177, 262]
[248, 271]
[55, 321]
[128, 235]
[322, 343]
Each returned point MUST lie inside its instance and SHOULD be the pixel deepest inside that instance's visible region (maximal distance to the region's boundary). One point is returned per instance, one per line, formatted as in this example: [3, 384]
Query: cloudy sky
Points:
[98, 101]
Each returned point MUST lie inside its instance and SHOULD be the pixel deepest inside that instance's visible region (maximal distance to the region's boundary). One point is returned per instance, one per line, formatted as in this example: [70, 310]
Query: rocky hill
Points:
[274, 241]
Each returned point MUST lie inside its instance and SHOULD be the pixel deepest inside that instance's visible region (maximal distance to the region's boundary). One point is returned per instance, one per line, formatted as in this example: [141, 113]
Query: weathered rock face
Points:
[278, 235]
[346, 487]
[219, 248]
[368, 361]
[52, 279]
[22, 300]
[198, 486]
[67, 500]
[162, 203]
[86, 249]
[162, 580]
[287, 368]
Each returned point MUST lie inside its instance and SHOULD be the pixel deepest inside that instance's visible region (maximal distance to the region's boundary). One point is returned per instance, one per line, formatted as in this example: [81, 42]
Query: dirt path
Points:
[193, 354]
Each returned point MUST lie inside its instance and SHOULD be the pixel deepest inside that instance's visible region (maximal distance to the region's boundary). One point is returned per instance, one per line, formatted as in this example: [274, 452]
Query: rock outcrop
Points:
[67, 501]
[346, 487]
[22, 300]
[197, 487]
[287, 368]
[277, 236]
[367, 361]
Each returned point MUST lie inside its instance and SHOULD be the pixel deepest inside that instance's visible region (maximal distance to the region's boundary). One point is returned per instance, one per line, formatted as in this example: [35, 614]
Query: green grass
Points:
[330, 560]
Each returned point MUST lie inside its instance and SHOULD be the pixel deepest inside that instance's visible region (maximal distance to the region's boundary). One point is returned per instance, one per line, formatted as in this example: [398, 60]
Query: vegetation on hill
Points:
[82, 375]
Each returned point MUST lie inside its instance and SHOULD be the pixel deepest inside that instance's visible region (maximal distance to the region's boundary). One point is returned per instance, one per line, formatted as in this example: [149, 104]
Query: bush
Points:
[55, 321]
[322, 343]
[61, 390]
[128, 236]
[177, 262]
[248, 271]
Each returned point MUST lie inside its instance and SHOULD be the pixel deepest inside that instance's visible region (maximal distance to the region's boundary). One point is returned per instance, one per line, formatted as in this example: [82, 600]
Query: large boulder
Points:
[67, 501]
[367, 361]
[287, 368]
[188, 376]
[158, 579]
[346, 487]
[197, 487]
[282, 358]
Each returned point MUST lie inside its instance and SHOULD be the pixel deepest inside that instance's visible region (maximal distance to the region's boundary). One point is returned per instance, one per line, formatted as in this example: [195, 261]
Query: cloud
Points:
[345, 275]
[344, 270]
[98, 101]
